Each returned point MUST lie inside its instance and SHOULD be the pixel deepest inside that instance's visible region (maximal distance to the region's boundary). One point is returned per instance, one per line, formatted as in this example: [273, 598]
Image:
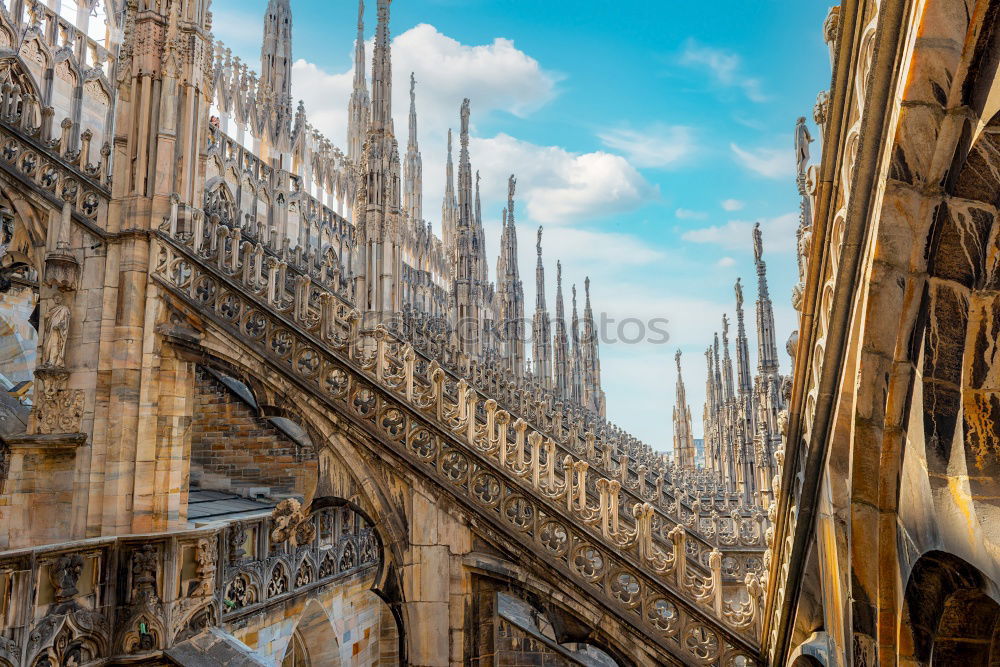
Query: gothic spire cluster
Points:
[390, 262]
[399, 267]
[741, 413]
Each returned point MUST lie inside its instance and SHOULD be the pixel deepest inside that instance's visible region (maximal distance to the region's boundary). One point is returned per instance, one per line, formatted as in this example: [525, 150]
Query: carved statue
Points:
[289, 519]
[205, 557]
[758, 244]
[64, 575]
[144, 567]
[56, 332]
[802, 141]
[738, 288]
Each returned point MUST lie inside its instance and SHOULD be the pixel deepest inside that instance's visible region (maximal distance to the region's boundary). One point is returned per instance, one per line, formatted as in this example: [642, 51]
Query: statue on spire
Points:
[464, 131]
[538, 246]
[802, 141]
[758, 243]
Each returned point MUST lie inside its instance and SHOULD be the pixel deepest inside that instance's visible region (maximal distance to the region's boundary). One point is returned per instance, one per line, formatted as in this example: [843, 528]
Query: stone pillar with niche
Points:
[57, 409]
[39, 488]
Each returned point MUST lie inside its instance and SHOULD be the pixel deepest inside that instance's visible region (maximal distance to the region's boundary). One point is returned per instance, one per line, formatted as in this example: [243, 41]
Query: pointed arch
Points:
[314, 643]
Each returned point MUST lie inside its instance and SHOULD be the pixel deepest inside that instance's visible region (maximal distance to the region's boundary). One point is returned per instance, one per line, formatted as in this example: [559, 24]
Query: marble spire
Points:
[576, 362]
[767, 347]
[479, 239]
[510, 291]
[359, 107]
[541, 343]
[727, 362]
[561, 343]
[465, 292]
[449, 206]
[744, 385]
[684, 452]
[381, 117]
[276, 51]
[593, 394]
[413, 185]
[378, 250]
[710, 398]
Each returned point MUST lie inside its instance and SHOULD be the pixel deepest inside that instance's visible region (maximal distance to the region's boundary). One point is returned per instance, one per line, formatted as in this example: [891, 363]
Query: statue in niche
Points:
[56, 333]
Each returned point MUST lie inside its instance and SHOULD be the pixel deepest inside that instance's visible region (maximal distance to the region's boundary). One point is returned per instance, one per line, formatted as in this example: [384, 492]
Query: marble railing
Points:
[712, 519]
[129, 598]
[30, 150]
[510, 473]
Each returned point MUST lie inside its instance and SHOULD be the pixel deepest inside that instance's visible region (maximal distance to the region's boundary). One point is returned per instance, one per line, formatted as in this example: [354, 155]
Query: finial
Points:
[413, 87]
[677, 358]
[758, 243]
[449, 143]
[586, 286]
[539, 245]
[361, 17]
[559, 274]
[738, 287]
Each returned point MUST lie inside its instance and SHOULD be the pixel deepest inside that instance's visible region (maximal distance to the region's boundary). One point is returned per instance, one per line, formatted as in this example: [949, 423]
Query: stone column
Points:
[436, 586]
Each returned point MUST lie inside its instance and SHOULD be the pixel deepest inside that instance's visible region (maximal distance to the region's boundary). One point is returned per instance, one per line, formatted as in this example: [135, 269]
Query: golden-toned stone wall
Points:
[354, 616]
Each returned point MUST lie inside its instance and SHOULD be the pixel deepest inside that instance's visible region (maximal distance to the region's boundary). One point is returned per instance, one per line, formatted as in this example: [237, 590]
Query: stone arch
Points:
[15, 70]
[950, 614]
[21, 260]
[231, 422]
[882, 362]
[219, 200]
[343, 443]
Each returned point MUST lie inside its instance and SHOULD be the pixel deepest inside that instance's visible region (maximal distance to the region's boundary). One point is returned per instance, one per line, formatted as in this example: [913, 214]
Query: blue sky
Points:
[646, 137]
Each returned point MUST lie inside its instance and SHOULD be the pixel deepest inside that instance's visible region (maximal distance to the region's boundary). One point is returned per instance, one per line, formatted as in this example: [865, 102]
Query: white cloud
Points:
[688, 214]
[726, 262]
[496, 77]
[725, 66]
[556, 185]
[768, 162]
[585, 247]
[778, 233]
[656, 146]
[732, 204]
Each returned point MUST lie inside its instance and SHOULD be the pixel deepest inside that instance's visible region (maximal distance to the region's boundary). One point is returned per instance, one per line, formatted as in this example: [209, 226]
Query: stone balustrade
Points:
[131, 597]
[480, 452]
[712, 519]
